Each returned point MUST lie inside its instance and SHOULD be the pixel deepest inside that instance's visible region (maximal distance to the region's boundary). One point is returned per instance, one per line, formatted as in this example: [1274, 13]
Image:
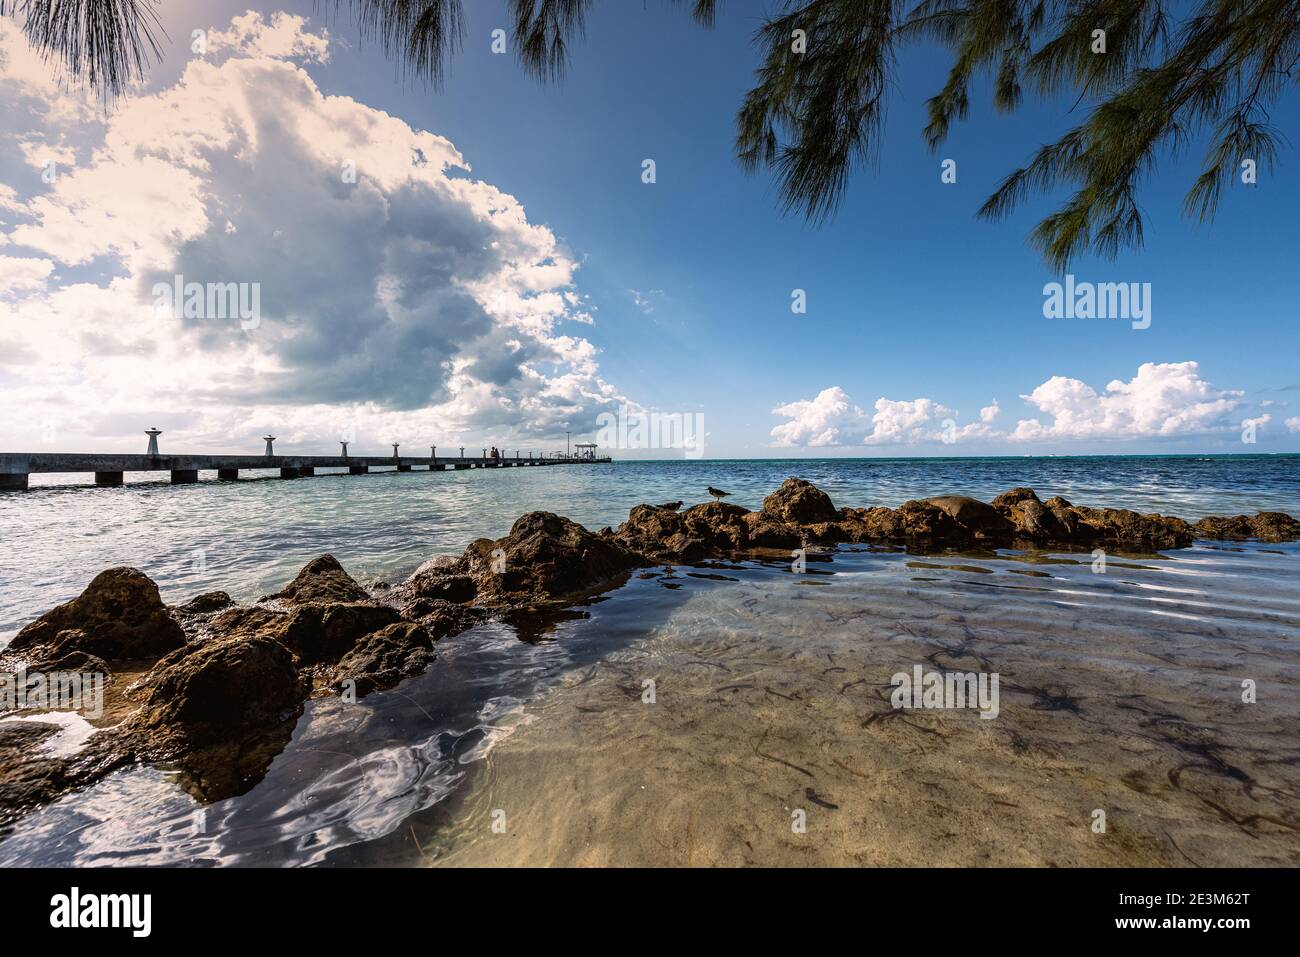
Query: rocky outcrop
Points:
[229, 680]
[383, 658]
[119, 616]
[545, 558]
[799, 502]
[1265, 526]
[216, 691]
[322, 580]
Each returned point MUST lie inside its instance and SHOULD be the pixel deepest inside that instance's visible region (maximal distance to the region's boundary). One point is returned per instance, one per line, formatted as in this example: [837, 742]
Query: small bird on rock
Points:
[670, 506]
[718, 494]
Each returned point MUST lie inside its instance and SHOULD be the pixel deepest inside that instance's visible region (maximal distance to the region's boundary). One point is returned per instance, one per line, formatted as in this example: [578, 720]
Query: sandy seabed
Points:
[1119, 693]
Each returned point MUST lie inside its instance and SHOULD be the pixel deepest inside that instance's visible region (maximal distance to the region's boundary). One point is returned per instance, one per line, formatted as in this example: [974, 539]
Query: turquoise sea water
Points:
[410, 776]
[251, 536]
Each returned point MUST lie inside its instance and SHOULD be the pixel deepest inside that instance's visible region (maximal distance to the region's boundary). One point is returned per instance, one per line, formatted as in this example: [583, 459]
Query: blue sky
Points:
[909, 296]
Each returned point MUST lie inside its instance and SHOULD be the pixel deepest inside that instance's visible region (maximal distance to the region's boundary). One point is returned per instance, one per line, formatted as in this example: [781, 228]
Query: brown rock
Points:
[382, 659]
[974, 518]
[322, 580]
[1265, 526]
[216, 692]
[325, 633]
[206, 604]
[119, 616]
[544, 558]
[799, 502]
[763, 531]
[661, 534]
[1124, 528]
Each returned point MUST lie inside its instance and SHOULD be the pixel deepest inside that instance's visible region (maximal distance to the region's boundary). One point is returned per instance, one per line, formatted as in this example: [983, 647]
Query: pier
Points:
[109, 468]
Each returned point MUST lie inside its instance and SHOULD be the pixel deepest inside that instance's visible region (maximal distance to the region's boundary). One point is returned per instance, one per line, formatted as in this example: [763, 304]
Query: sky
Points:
[484, 264]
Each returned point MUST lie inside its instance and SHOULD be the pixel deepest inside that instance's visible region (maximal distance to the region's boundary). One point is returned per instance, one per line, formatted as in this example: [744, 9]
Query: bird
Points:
[669, 506]
[718, 494]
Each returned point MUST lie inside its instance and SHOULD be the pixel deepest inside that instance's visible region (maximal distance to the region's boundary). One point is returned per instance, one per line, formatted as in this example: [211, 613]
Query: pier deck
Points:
[109, 468]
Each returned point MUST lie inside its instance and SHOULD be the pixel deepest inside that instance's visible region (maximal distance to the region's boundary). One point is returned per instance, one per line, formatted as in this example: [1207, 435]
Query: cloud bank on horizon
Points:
[399, 298]
[1162, 400]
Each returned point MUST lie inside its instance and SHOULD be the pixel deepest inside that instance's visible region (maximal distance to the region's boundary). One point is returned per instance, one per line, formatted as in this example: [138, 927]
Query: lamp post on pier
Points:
[270, 450]
[153, 442]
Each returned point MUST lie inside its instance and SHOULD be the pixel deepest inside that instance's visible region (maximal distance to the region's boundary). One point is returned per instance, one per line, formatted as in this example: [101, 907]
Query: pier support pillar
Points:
[108, 478]
[403, 468]
[462, 465]
[307, 471]
[227, 475]
[15, 481]
[290, 472]
[185, 476]
[358, 469]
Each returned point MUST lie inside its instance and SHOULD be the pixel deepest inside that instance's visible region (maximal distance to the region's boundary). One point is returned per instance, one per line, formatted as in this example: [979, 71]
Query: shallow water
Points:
[251, 536]
[1120, 691]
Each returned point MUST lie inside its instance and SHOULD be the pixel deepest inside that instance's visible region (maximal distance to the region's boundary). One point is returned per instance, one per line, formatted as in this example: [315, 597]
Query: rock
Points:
[799, 502]
[977, 519]
[763, 531]
[28, 779]
[438, 580]
[254, 622]
[1265, 526]
[325, 633]
[205, 604]
[544, 558]
[322, 580]
[661, 534]
[216, 692]
[119, 616]
[443, 618]
[1123, 528]
[382, 659]
[1030, 518]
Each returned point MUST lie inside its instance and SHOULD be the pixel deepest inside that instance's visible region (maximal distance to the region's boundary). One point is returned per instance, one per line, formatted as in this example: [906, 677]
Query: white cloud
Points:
[989, 413]
[1293, 424]
[832, 418]
[829, 419]
[1163, 399]
[19, 274]
[411, 299]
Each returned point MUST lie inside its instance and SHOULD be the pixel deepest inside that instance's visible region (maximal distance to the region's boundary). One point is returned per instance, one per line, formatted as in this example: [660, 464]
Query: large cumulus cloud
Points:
[400, 299]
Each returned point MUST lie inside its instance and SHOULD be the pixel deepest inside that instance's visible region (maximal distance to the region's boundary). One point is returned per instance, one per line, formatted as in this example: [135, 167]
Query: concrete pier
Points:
[108, 469]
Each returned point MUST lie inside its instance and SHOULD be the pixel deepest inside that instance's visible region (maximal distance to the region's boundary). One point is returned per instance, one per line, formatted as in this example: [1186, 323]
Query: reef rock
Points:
[544, 558]
[1265, 526]
[383, 658]
[322, 580]
[799, 502]
[216, 691]
[119, 616]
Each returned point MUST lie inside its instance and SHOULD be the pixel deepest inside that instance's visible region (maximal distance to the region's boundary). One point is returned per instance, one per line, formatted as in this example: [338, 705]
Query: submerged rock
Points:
[119, 616]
